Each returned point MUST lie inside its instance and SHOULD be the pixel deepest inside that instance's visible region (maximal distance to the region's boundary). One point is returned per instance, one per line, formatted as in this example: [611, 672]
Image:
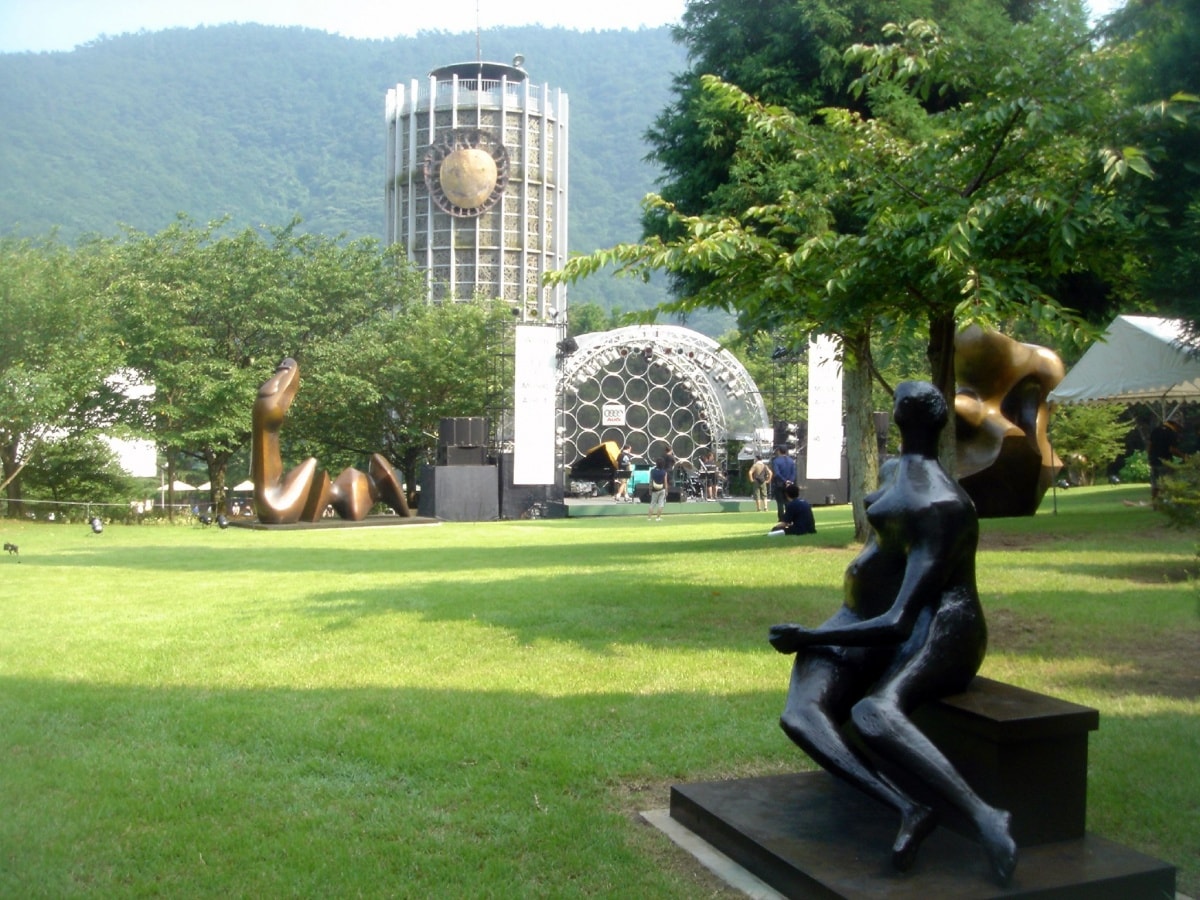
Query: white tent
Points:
[1139, 359]
[177, 486]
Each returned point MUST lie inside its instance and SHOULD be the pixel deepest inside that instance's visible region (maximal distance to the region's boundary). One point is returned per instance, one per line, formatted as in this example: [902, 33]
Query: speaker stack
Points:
[462, 441]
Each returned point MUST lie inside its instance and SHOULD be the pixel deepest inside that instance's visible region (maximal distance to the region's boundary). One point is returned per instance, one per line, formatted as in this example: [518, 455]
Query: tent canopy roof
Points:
[1139, 359]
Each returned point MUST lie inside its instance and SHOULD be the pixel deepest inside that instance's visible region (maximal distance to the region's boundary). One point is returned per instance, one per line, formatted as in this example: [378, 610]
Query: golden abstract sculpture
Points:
[1005, 461]
[303, 494]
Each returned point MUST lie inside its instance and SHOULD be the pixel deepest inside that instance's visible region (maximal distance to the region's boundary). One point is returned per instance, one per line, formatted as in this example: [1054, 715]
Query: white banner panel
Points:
[824, 410]
[534, 412]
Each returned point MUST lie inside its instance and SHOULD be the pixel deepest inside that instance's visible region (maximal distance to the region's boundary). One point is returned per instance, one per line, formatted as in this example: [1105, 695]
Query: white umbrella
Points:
[246, 485]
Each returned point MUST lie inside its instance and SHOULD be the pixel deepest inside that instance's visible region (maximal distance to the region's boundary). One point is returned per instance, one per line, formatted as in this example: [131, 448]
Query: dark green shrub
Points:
[1136, 469]
[1179, 493]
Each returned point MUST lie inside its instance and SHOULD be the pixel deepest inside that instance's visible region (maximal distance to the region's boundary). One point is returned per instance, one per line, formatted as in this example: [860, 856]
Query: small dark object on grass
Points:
[12, 549]
[97, 524]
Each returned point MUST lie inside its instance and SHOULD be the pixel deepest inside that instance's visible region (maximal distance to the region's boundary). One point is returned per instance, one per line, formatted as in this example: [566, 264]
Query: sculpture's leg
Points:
[821, 691]
[318, 498]
[352, 495]
[882, 721]
[388, 486]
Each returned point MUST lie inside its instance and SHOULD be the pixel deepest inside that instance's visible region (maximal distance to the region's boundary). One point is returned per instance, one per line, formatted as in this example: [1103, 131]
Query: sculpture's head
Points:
[919, 407]
[275, 395]
[285, 374]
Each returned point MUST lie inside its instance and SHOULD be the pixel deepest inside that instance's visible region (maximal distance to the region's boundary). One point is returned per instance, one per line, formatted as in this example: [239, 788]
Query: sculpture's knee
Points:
[871, 717]
[803, 720]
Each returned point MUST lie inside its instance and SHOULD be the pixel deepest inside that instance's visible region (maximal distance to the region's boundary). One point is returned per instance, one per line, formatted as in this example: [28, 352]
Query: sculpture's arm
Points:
[892, 627]
[924, 578]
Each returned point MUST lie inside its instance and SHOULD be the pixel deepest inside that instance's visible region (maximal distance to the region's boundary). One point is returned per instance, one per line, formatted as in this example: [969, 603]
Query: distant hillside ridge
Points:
[262, 123]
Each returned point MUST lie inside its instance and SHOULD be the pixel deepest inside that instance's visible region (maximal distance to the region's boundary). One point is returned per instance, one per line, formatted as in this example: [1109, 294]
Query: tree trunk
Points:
[12, 479]
[942, 331]
[218, 467]
[410, 477]
[862, 449]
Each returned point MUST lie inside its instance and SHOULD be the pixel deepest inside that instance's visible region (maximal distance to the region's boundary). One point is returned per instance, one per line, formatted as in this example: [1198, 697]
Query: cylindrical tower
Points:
[477, 184]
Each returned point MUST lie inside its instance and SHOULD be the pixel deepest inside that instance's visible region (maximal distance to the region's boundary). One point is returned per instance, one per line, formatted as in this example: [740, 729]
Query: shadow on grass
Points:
[121, 791]
[197, 791]
[455, 556]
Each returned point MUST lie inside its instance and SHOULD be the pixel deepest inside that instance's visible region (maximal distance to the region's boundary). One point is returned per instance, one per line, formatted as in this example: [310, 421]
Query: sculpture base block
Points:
[810, 836]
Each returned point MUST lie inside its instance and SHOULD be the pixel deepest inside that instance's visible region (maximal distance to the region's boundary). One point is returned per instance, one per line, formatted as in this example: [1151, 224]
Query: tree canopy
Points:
[55, 353]
[966, 181]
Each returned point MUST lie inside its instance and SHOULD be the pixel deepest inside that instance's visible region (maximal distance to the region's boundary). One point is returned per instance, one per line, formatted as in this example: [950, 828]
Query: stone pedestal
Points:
[1021, 751]
[810, 835]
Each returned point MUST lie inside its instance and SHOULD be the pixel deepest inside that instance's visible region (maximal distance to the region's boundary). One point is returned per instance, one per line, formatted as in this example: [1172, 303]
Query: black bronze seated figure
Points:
[911, 630]
[303, 494]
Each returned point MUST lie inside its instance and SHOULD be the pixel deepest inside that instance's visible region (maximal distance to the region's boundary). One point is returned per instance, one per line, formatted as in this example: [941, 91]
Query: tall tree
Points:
[1164, 62]
[973, 207]
[207, 316]
[384, 386]
[55, 355]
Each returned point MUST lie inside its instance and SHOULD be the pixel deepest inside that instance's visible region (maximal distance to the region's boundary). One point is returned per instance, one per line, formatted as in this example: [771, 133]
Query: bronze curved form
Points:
[303, 494]
[910, 630]
[1005, 461]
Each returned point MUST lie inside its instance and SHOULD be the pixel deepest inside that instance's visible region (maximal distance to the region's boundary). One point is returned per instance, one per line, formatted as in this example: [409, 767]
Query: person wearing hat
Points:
[760, 477]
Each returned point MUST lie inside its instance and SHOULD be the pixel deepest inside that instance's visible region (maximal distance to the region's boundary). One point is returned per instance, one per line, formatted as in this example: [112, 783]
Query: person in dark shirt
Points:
[783, 473]
[659, 476]
[1163, 450]
[797, 515]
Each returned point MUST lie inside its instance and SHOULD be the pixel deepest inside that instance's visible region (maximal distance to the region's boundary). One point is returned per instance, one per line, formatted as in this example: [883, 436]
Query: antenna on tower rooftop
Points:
[478, 41]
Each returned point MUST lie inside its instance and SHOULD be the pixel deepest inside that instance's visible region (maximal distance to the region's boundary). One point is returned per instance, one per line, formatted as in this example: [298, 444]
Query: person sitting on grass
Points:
[797, 514]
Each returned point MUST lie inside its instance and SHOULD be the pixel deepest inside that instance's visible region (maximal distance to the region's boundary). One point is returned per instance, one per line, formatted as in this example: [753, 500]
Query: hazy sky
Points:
[63, 24]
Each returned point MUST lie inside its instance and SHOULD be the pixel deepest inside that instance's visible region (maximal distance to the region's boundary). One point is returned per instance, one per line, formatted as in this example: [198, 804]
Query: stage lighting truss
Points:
[654, 387]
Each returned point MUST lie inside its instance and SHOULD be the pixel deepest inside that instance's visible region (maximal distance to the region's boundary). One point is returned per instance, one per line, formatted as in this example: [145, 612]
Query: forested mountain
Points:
[263, 123]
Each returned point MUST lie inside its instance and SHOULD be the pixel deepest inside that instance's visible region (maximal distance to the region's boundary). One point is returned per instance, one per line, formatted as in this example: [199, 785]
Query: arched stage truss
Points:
[654, 387]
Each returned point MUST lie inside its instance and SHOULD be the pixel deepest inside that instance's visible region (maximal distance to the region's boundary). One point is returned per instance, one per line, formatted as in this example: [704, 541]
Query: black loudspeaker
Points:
[461, 456]
[460, 493]
[468, 431]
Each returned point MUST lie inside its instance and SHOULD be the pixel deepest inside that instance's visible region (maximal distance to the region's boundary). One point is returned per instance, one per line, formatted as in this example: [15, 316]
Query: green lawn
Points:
[482, 709]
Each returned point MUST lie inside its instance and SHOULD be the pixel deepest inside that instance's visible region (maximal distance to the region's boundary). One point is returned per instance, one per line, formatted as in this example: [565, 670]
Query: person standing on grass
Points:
[760, 477]
[624, 466]
[783, 473]
[658, 490]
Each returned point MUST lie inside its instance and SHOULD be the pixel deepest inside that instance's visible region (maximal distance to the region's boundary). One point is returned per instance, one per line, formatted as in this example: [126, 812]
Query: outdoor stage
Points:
[581, 507]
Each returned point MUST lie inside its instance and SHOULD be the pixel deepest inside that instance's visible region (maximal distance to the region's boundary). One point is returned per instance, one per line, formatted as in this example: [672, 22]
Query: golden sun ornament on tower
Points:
[466, 172]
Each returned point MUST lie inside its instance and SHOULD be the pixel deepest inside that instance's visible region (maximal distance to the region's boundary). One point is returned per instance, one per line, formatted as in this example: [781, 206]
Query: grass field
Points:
[482, 709]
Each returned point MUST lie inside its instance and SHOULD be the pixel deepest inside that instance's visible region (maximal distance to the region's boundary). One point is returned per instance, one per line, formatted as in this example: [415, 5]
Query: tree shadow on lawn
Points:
[1158, 662]
[453, 556]
[105, 785]
[594, 613]
[116, 786]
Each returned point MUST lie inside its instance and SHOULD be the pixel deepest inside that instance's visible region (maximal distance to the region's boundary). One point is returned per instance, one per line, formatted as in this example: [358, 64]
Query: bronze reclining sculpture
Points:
[303, 494]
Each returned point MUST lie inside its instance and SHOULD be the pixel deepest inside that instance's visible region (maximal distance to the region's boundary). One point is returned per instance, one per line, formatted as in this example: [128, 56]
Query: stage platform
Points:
[582, 507]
